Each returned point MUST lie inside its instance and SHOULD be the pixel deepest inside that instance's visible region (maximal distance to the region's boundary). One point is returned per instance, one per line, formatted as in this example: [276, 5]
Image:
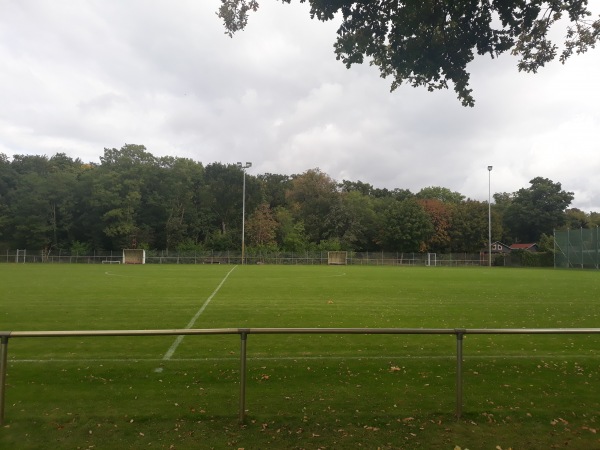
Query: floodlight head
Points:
[490, 168]
[248, 164]
[239, 164]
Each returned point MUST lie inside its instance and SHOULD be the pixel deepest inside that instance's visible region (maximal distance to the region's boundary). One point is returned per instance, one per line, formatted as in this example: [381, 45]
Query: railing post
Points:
[3, 359]
[459, 360]
[243, 336]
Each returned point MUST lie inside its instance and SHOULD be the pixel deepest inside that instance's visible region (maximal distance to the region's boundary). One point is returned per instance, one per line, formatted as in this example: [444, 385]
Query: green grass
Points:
[304, 391]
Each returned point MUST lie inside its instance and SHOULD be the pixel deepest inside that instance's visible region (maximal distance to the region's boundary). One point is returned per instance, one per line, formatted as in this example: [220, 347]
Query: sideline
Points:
[179, 338]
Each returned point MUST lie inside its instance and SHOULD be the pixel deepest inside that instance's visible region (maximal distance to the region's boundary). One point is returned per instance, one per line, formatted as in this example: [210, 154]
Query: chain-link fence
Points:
[577, 248]
[235, 257]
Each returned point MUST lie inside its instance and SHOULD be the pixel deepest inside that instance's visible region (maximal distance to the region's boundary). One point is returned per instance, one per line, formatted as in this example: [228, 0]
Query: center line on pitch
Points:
[179, 338]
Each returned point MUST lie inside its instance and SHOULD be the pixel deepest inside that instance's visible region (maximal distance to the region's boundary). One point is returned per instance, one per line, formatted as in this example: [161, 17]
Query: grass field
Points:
[304, 391]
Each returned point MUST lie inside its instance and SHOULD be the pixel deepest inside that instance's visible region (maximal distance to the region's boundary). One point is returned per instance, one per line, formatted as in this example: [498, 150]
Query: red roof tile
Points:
[521, 246]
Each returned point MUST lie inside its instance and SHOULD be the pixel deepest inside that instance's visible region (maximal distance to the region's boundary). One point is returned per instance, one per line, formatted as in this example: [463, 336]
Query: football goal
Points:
[337, 258]
[134, 256]
[21, 255]
[431, 259]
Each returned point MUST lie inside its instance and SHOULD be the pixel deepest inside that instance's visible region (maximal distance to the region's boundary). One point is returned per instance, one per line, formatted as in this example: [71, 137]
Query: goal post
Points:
[134, 256]
[21, 256]
[431, 259]
[337, 258]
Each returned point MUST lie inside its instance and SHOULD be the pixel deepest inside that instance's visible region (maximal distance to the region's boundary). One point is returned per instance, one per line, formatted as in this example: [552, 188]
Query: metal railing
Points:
[244, 332]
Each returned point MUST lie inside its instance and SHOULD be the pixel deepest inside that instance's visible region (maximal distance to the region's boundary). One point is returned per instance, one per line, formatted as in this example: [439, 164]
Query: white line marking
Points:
[179, 338]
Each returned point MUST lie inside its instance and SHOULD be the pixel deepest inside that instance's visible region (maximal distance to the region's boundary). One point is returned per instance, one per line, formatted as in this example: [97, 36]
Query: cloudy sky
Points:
[77, 77]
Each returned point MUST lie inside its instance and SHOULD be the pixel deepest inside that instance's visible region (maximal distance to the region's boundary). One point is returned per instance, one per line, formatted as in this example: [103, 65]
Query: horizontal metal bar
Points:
[350, 331]
[99, 333]
[533, 331]
[459, 332]
[213, 331]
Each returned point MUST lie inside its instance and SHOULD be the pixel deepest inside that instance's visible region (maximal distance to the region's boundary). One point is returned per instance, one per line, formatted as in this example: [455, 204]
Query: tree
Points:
[42, 201]
[31, 212]
[127, 174]
[224, 185]
[290, 234]
[261, 227]
[546, 243]
[405, 227]
[311, 197]
[174, 206]
[440, 216]
[594, 219]
[7, 184]
[352, 221]
[469, 231]
[37, 164]
[441, 194]
[111, 210]
[576, 218]
[128, 156]
[274, 187]
[430, 43]
[537, 209]
[356, 186]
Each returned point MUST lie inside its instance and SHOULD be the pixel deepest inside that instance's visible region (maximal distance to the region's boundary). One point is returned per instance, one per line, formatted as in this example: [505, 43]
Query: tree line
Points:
[132, 199]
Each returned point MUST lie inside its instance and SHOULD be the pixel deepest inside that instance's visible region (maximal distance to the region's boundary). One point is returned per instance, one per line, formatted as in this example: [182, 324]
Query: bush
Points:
[525, 258]
[189, 245]
[80, 248]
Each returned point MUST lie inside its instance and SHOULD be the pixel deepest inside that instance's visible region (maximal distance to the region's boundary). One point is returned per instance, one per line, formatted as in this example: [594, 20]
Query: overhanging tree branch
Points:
[429, 43]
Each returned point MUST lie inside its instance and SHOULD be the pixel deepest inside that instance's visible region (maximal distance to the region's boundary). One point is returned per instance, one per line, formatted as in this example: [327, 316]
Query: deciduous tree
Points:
[261, 227]
[405, 227]
[576, 218]
[311, 198]
[469, 231]
[440, 216]
[352, 221]
[537, 209]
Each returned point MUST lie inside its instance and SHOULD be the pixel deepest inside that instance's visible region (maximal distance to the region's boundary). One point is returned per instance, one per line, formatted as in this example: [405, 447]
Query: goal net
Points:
[337, 258]
[134, 256]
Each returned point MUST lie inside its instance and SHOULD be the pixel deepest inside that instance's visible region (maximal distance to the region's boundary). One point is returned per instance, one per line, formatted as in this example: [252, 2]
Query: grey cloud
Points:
[78, 77]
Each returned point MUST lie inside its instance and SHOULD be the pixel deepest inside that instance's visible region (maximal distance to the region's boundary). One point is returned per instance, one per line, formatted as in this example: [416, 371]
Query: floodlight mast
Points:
[243, 167]
[490, 216]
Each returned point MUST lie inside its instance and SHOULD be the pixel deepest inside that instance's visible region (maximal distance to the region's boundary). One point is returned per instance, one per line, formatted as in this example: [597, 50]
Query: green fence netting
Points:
[577, 248]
